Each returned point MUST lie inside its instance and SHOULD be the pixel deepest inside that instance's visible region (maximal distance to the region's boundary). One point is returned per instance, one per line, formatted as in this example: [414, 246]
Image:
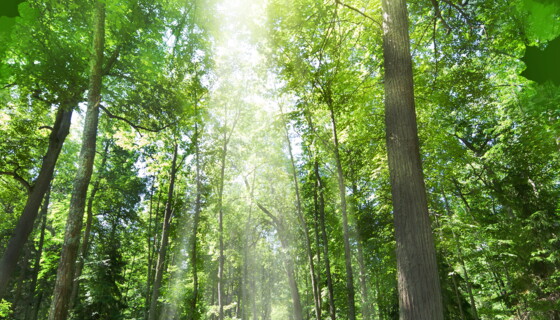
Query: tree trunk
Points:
[221, 258]
[314, 285]
[418, 281]
[151, 242]
[366, 309]
[290, 272]
[461, 261]
[152, 314]
[26, 221]
[194, 239]
[37, 263]
[65, 273]
[320, 187]
[85, 240]
[346, 232]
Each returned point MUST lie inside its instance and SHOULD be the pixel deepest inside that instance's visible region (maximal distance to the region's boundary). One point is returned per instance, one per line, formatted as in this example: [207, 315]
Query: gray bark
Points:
[418, 281]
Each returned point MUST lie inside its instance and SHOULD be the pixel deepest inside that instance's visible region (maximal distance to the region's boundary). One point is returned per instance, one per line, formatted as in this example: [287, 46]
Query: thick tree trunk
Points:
[65, 273]
[418, 281]
[330, 287]
[152, 314]
[26, 221]
[346, 232]
[85, 240]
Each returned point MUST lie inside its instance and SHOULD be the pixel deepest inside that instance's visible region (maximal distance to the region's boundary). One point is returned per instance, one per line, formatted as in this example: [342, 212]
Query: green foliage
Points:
[4, 308]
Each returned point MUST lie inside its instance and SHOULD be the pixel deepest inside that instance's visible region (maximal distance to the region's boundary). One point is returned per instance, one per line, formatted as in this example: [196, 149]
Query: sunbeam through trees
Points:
[279, 159]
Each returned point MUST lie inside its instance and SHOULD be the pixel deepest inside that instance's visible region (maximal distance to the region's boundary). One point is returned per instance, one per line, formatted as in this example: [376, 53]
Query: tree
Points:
[65, 274]
[419, 288]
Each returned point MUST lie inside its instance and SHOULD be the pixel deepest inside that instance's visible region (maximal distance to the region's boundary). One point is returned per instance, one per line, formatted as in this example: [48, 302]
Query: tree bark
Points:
[85, 240]
[418, 281]
[152, 314]
[65, 274]
[26, 221]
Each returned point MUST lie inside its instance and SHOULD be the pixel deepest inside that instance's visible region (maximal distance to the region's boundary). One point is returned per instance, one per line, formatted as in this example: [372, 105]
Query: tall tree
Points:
[419, 287]
[35, 196]
[65, 273]
[164, 242]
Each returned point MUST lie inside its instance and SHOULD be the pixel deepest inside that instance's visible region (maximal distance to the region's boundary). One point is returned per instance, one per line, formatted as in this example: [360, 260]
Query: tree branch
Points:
[275, 220]
[111, 61]
[359, 12]
[135, 126]
[438, 14]
[18, 178]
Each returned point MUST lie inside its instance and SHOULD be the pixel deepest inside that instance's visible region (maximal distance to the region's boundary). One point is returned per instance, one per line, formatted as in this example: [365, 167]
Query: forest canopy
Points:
[280, 159]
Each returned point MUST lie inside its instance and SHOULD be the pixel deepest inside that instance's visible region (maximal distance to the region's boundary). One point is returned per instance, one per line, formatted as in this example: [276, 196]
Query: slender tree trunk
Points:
[457, 297]
[366, 309]
[152, 314]
[418, 281]
[330, 287]
[26, 221]
[314, 285]
[290, 272]
[65, 274]
[366, 305]
[152, 245]
[85, 240]
[462, 262]
[346, 232]
[221, 258]
[37, 263]
[316, 233]
[197, 207]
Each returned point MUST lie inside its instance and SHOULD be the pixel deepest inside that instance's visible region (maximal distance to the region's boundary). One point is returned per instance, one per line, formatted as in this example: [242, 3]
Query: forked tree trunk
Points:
[26, 221]
[162, 253]
[418, 281]
[65, 274]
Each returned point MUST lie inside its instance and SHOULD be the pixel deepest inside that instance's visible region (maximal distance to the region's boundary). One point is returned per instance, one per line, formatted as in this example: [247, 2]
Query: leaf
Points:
[542, 65]
[9, 8]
